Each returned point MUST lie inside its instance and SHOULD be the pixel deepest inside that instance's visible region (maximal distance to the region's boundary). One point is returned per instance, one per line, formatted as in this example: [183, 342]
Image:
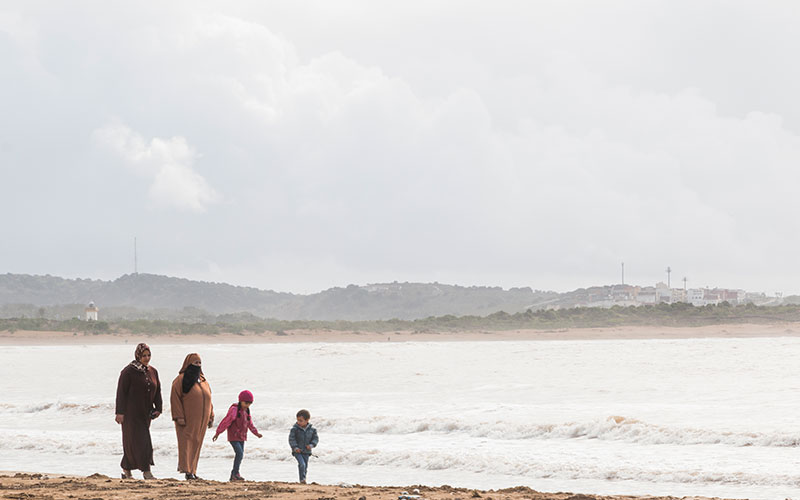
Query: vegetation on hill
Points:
[148, 296]
[679, 314]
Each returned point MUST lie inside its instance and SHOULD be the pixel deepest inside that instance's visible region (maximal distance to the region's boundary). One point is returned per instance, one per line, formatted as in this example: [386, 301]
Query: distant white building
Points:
[663, 293]
[696, 296]
[646, 298]
[732, 296]
[646, 295]
[91, 312]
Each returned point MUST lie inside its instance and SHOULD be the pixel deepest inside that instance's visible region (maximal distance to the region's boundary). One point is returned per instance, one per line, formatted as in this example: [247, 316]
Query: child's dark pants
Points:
[302, 464]
[238, 449]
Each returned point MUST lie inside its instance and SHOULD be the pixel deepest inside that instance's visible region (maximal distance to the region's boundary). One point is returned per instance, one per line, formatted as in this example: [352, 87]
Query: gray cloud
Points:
[303, 146]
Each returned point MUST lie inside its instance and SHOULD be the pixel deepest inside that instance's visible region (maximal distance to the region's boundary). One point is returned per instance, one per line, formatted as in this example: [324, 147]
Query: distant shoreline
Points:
[786, 329]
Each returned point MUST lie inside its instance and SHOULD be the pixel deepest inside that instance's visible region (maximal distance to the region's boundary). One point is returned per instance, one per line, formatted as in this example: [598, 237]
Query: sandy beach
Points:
[22, 337]
[97, 486]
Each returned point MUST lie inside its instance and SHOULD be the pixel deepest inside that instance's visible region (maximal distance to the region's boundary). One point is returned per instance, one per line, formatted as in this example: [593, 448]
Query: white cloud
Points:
[591, 173]
[475, 151]
[167, 162]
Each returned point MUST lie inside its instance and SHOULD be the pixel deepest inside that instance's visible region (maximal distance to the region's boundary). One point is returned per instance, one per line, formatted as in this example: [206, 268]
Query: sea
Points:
[712, 417]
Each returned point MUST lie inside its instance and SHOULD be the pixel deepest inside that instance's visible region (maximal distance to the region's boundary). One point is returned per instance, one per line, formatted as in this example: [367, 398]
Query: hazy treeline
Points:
[679, 314]
[147, 296]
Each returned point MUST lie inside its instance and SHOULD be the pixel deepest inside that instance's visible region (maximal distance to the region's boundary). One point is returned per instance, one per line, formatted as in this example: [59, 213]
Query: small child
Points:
[302, 438]
[237, 421]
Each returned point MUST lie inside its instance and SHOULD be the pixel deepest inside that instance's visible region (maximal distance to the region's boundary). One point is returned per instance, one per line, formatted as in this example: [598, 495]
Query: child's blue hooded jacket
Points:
[299, 438]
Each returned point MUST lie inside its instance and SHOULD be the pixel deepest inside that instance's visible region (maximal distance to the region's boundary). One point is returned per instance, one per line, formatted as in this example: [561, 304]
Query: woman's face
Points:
[197, 362]
[145, 359]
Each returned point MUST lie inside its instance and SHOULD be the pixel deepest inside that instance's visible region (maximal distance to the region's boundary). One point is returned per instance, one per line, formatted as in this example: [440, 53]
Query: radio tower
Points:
[669, 270]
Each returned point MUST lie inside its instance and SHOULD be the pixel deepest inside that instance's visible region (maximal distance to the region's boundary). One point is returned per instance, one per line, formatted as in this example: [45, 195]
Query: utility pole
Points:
[669, 270]
[623, 273]
[135, 258]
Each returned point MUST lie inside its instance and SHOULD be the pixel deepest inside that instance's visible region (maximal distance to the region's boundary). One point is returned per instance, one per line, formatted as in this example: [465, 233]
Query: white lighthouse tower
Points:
[91, 312]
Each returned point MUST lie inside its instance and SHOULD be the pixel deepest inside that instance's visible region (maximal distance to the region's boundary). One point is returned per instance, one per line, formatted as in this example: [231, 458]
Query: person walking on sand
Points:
[192, 412]
[138, 402]
[303, 438]
[237, 422]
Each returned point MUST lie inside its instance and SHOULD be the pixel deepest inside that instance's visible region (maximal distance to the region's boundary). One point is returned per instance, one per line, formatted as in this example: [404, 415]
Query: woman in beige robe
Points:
[192, 413]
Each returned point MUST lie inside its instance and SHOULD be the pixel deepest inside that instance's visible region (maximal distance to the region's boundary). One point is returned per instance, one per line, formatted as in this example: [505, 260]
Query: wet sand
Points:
[21, 337]
[21, 486]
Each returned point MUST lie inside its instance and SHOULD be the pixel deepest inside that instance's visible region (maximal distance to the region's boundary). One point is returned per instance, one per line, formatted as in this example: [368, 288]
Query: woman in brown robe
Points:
[138, 402]
[192, 412]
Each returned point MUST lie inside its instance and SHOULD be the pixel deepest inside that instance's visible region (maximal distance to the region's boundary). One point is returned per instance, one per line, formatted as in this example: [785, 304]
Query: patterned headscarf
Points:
[136, 363]
[140, 350]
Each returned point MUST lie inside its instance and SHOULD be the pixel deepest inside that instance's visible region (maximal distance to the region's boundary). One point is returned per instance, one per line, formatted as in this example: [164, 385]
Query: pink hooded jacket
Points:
[237, 425]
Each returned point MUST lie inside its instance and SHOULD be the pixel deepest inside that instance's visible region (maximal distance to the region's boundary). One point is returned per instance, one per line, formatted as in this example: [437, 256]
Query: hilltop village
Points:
[661, 293]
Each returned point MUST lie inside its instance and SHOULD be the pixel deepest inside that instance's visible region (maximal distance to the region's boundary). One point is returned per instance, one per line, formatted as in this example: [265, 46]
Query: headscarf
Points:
[137, 363]
[191, 372]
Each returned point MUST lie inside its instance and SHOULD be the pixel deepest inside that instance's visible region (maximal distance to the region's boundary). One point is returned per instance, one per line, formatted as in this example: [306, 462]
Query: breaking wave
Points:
[606, 428]
[432, 460]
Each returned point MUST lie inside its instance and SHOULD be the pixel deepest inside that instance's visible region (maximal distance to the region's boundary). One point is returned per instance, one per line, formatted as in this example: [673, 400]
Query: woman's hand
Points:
[156, 414]
[259, 435]
[119, 419]
[180, 422]
[215, 437]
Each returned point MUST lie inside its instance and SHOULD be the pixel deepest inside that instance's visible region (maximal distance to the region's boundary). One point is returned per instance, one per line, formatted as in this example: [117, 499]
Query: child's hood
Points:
[234, 410]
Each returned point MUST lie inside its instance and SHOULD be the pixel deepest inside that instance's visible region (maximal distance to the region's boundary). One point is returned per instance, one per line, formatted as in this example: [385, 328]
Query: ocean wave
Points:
[607, 428]
[492, 463]
[59, 406]
[610, 428]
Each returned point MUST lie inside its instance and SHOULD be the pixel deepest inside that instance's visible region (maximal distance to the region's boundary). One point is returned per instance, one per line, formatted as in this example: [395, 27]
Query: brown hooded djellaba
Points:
[138, 395]
[192, 413]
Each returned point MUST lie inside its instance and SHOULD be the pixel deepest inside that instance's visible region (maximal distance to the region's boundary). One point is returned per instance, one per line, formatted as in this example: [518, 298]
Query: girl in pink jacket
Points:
[237, 421]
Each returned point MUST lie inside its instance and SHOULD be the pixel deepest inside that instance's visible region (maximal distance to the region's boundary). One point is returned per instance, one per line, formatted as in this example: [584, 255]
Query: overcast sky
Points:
[300, 145]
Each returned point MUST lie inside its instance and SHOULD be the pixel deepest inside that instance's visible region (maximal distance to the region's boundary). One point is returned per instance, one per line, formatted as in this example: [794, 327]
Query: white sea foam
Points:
[610, 428]
[489, 463]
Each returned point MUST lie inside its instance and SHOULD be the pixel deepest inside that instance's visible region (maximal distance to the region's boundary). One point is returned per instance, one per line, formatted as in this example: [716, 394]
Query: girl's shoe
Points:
[126, 474]
[148, 475]
[236, 477]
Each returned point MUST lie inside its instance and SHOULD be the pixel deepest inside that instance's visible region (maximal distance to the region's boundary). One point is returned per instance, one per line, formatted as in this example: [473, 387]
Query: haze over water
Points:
[712, 417]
